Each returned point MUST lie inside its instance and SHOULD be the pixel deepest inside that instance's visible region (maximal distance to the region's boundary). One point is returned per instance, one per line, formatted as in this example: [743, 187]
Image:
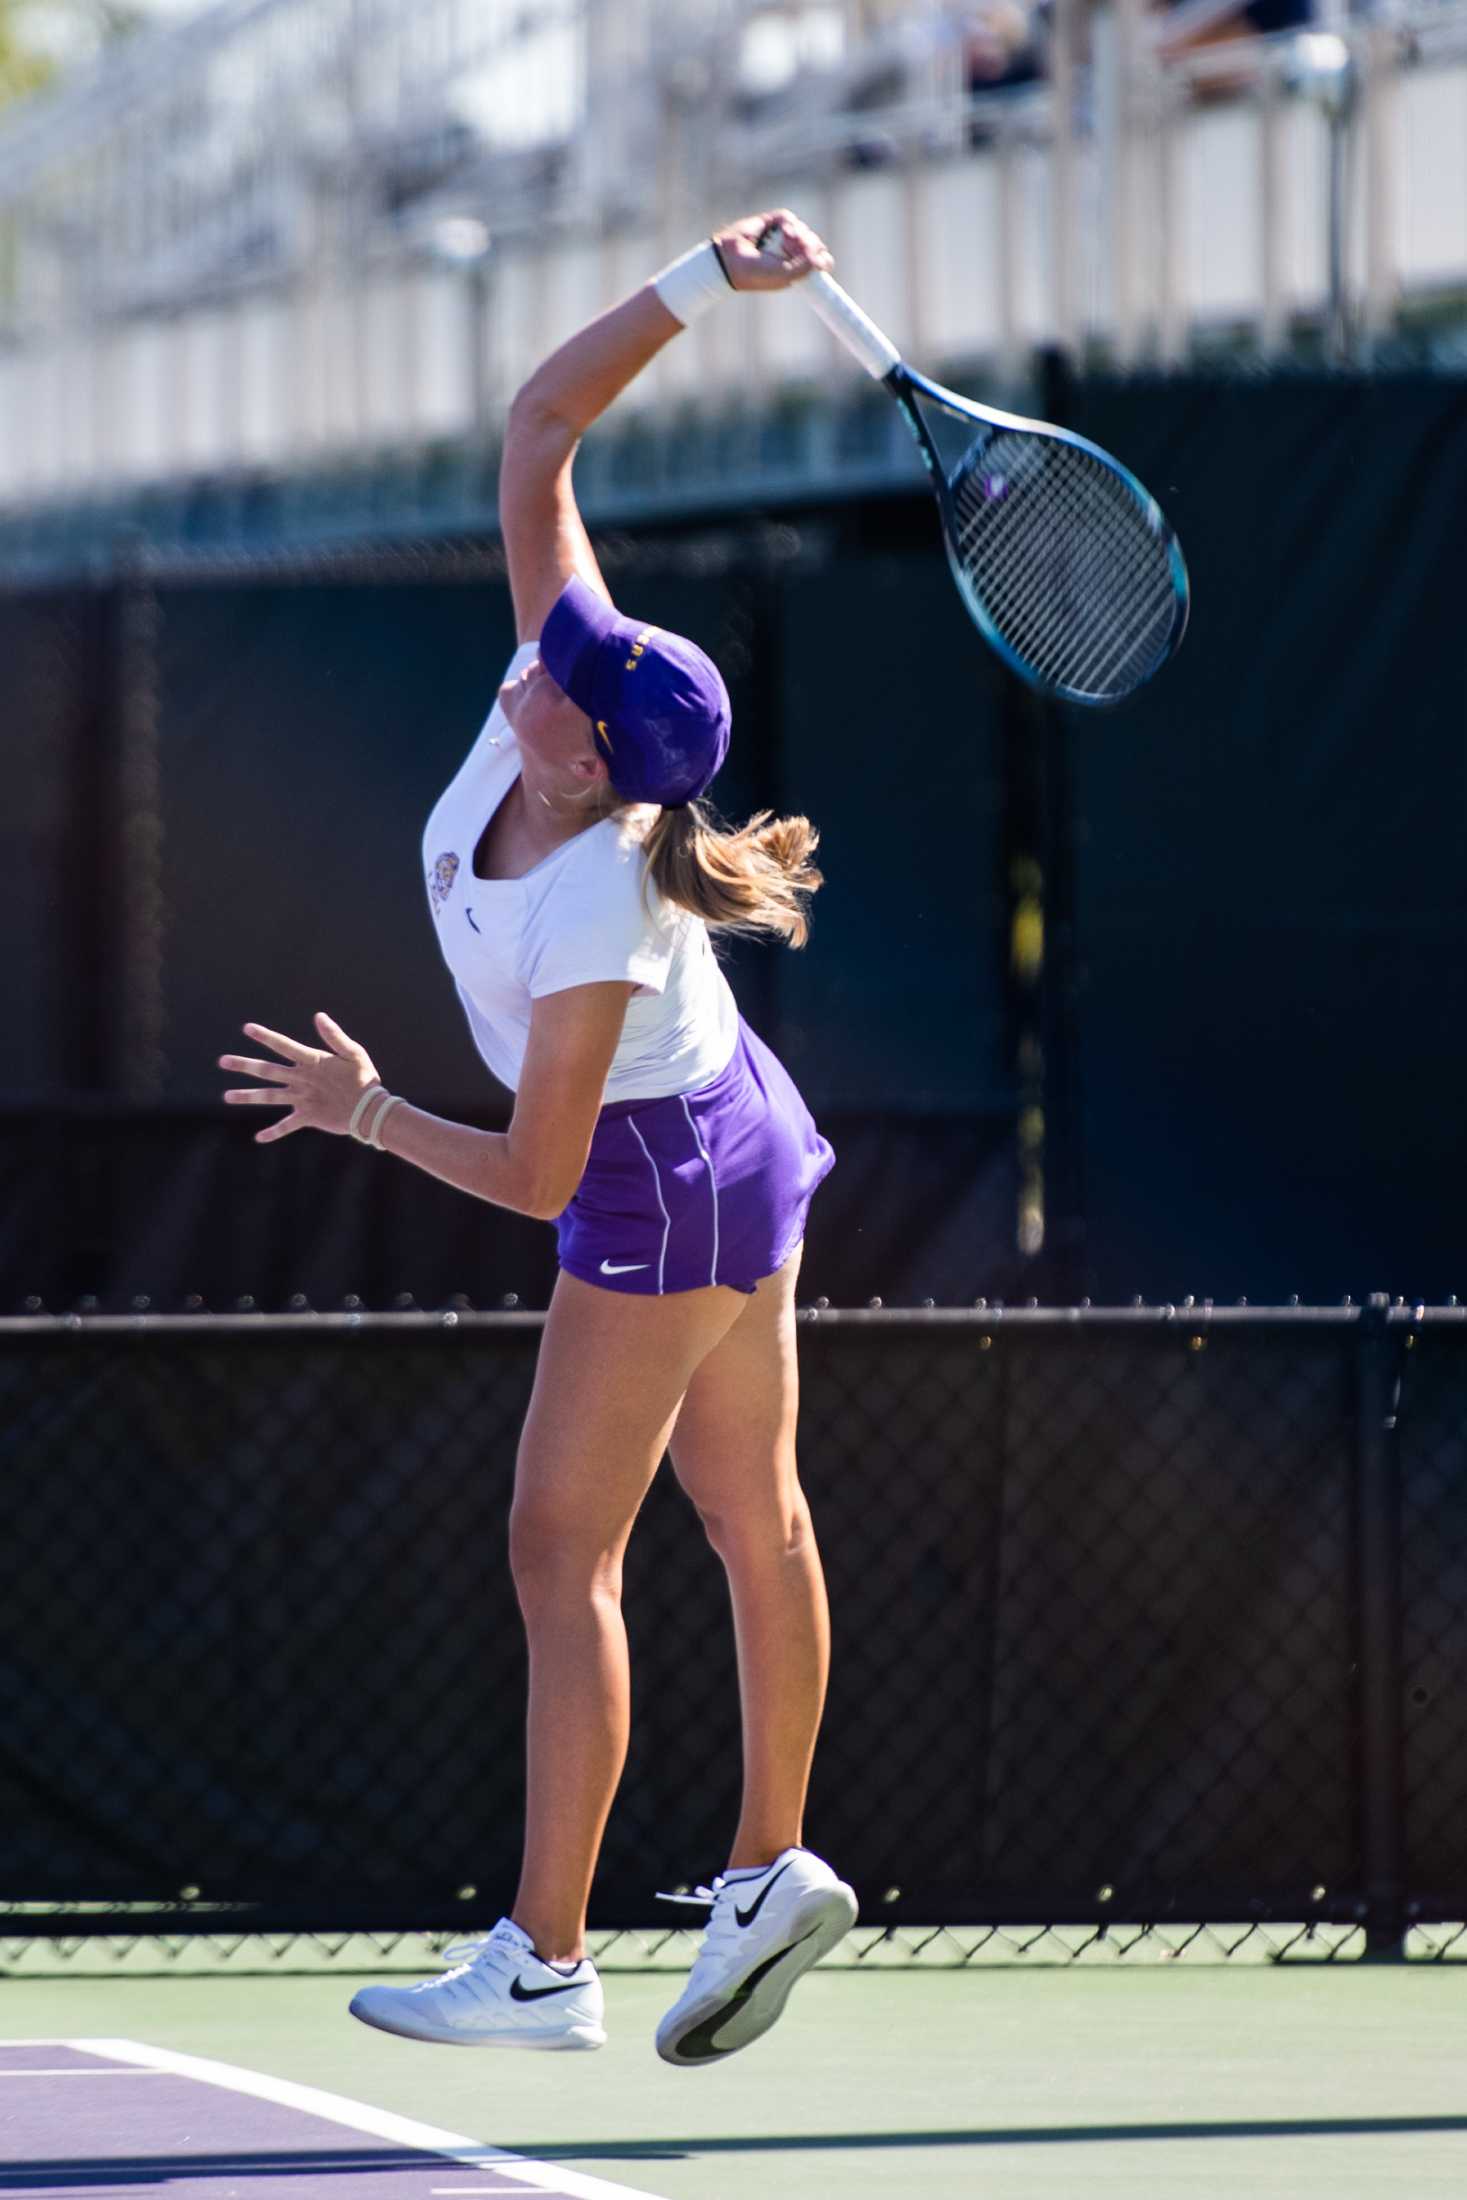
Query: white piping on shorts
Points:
[657, 1187]
[712, 1178]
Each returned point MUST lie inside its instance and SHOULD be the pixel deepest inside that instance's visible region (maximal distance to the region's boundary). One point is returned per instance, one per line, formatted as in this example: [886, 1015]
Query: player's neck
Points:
[546, 816]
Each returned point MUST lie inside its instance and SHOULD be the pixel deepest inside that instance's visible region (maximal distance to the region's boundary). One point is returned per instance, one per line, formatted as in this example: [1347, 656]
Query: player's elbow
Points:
[537, 426]
[543, 1186]
[547, 1202]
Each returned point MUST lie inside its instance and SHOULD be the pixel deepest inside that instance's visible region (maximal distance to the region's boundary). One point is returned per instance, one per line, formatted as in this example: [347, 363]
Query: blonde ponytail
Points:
[755, 878]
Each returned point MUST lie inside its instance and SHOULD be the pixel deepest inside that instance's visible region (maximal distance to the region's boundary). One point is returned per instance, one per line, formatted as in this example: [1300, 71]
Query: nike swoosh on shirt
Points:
[622, 1267]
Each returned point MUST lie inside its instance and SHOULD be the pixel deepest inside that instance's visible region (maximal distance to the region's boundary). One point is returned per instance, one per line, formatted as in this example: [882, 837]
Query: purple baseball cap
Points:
[658, 706]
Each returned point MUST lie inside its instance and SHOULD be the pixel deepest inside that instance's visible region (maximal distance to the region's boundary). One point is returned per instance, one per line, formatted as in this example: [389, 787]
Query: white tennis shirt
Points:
[577, 917]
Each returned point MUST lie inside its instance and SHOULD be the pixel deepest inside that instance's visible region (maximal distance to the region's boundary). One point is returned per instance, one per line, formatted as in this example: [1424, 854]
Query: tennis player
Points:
[574, 879]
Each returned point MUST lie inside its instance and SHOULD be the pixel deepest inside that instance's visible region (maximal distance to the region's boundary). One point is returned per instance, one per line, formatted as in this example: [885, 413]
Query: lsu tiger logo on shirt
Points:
[440, 880]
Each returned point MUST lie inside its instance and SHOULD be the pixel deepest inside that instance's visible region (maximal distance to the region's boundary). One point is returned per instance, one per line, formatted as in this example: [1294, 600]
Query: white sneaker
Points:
[767, 1929]
[499, 1994]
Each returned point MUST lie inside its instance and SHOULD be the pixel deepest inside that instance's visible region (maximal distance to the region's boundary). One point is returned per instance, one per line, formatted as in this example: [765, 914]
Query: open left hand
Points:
[790, 250]
[321, 1089]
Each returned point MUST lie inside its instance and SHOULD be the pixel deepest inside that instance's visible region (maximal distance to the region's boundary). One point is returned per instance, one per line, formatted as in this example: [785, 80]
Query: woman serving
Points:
[574, 879]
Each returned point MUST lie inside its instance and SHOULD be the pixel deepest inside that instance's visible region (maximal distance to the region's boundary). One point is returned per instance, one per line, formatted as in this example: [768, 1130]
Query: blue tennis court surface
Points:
[89, 2116]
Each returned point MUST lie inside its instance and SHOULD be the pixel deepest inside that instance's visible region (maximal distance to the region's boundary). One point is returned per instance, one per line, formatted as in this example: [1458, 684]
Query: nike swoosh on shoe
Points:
[517, 1992]
[747, 1917]
[701, 2044]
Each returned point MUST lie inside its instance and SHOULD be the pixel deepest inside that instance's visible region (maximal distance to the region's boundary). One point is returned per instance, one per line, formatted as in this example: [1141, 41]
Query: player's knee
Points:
[553, 1547]
[757, 1524]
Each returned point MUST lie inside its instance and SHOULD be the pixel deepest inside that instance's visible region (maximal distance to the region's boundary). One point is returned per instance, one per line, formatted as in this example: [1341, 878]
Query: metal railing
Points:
[297, 227]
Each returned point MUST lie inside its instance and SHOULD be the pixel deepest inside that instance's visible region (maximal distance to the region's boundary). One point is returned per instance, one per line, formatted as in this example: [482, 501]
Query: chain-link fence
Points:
[192, 1952]
[1141, 1618]
[180, 722]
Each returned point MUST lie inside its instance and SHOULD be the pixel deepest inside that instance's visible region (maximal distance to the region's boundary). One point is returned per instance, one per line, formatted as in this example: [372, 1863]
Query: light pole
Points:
[1322, 68]
[463, 241]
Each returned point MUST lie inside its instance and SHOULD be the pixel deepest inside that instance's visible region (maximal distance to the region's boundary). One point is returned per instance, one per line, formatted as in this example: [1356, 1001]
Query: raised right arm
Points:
[545, 538]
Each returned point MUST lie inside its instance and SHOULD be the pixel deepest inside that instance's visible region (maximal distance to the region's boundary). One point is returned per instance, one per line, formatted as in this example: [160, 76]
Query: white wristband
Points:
[375, 1138]
[356, 1114]
[694, 283]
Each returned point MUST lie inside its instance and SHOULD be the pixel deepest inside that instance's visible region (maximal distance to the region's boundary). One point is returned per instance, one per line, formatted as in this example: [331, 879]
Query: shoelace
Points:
[699, 1895]
[483, 1954]
[486, 1952]
[722, 1884]
[721, 1930]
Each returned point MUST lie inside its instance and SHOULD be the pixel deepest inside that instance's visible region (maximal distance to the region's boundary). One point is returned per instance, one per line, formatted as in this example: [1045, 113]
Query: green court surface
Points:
[1198, 2082]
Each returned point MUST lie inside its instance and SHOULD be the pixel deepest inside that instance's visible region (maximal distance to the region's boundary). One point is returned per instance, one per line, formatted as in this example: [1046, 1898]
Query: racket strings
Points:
[1069, 576]
[1064, 562]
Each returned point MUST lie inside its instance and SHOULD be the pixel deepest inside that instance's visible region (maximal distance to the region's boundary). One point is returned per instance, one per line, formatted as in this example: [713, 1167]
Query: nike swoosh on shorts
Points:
[622, 1267]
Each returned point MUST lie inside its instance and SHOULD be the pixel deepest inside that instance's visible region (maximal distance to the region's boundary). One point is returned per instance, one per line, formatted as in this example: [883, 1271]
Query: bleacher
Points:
[270, 275]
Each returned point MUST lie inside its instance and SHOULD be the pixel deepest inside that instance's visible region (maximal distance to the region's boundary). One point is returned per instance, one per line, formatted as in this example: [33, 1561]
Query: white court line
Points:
[380, 2123]
[71, 2072]
[320, 2165]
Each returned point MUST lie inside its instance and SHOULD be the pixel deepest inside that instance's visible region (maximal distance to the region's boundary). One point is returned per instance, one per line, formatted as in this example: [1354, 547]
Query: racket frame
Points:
[884, 363]
[906, 385]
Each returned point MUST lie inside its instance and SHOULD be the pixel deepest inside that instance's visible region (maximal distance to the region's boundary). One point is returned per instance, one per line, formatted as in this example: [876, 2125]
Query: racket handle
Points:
[840, 313]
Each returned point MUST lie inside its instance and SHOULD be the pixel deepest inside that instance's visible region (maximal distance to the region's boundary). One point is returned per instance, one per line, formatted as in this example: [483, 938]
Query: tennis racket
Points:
[1065, 563]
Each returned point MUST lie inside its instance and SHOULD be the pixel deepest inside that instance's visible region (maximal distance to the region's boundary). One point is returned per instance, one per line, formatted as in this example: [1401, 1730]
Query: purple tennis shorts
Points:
[707, 1187]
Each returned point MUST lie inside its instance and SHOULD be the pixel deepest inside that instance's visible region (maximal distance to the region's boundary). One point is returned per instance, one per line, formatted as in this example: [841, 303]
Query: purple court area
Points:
[77, 2121]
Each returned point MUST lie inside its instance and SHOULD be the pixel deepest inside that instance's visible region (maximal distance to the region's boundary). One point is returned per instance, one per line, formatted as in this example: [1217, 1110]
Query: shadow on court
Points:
[1301, 2127]
[37, 2174]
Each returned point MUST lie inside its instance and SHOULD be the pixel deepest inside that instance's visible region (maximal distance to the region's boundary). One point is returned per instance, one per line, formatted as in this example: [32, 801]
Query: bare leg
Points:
[611, 1373]
[733, 1449]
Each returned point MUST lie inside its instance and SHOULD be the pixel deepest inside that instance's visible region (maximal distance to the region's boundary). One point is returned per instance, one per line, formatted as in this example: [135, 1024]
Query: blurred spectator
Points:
[1185, 25]
[945, 49]
[978, 47]
[1001, 44]
[1195, 26]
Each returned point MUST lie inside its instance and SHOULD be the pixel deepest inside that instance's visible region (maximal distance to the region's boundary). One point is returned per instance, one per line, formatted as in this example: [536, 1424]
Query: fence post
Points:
[1378, 1642]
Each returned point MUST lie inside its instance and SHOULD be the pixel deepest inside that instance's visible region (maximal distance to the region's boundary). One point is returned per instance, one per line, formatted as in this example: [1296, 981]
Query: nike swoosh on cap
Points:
[622, 1267]
[517, 1992]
